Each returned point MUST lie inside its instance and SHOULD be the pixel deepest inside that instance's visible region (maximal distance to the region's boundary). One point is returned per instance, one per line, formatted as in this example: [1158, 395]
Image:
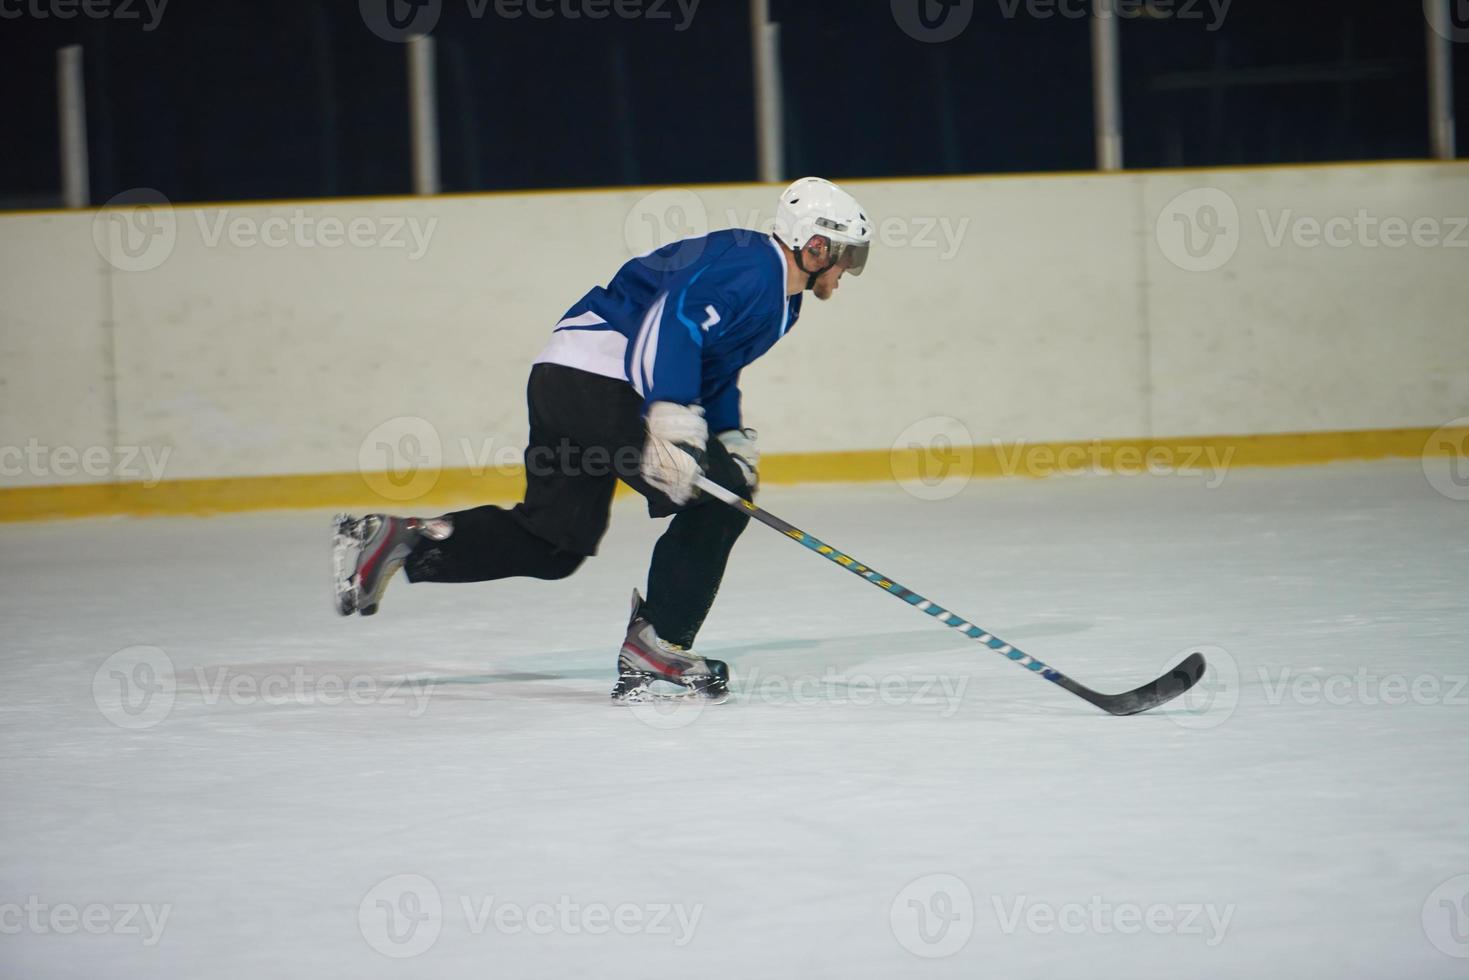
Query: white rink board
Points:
[1029, 308]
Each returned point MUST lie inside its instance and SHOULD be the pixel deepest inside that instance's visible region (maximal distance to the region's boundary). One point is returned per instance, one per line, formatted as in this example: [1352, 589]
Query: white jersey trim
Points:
[598, 351]
[780, 255]
[587, 319]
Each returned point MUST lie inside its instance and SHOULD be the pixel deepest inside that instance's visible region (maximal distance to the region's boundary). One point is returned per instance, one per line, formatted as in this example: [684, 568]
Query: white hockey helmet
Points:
[812, 206]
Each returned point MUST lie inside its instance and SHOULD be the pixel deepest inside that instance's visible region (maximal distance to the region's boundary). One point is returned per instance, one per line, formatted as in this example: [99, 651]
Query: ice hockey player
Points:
[635, 378]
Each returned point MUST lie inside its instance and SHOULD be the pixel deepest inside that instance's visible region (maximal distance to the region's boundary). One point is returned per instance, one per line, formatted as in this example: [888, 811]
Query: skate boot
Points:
[646, 658]
[367, 551]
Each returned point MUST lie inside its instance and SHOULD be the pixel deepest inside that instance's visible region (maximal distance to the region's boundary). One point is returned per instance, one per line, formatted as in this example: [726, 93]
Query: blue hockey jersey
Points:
[679, 323]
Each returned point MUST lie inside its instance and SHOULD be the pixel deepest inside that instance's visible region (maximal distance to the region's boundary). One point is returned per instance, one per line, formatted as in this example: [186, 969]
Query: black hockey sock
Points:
[488, 543]
[688, 565]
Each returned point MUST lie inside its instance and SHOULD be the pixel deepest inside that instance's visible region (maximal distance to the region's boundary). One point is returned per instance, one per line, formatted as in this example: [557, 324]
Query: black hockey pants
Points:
[586, 433]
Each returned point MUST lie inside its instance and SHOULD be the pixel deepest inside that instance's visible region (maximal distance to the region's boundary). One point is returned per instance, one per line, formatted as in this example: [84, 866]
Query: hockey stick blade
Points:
[1150, 695]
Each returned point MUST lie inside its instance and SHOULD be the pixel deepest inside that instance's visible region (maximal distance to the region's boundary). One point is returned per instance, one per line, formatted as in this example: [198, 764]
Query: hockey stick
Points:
[1150, 695]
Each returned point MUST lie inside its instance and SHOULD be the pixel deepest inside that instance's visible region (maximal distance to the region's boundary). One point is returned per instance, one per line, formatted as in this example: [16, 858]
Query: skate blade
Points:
[345, 545]
[645, 694]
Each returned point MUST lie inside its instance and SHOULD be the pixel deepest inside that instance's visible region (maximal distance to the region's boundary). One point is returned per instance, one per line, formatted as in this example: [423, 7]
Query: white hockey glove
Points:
[674, 452]
[741, 445]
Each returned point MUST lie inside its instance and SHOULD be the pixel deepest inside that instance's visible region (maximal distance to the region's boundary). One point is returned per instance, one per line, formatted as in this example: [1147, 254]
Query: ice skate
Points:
[647, 659]
[367, 551]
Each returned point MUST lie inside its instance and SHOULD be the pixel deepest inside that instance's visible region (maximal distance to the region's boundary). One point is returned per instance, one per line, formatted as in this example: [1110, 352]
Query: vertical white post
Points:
[1106, 85]
[1441, 80]
[423, 114]
[769, 135]
[72, 116]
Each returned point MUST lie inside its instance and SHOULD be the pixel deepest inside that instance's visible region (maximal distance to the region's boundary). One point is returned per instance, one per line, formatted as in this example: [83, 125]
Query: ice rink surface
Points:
[207, 773]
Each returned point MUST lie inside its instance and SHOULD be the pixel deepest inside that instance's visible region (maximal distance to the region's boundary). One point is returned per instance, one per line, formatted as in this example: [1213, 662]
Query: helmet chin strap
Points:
[811, 277]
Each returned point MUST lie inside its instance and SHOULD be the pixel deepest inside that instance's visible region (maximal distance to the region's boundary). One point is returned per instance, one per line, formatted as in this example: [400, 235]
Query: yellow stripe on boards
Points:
[428, 492]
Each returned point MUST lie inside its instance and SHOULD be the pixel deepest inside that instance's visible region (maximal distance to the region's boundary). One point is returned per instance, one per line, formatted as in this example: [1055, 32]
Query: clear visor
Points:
[849, 256]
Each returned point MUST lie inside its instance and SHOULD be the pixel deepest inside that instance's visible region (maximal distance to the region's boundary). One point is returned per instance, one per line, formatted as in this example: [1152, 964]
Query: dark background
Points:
[248, 99]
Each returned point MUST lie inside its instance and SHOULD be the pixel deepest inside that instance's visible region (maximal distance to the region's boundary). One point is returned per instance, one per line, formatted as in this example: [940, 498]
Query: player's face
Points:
[818, 254]
[828, 282]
